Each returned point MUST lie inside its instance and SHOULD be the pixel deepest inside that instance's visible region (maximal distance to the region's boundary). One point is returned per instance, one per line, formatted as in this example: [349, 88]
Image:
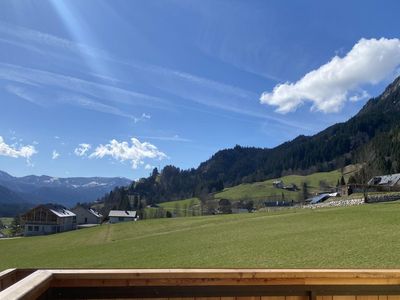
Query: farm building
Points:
[386, 180]
[48, 219]
[87, 215]
[117, 216]
[318, 198]
[278, 184]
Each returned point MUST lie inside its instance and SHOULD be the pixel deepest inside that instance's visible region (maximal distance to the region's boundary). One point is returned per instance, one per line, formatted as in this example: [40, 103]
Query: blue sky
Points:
[113, 88]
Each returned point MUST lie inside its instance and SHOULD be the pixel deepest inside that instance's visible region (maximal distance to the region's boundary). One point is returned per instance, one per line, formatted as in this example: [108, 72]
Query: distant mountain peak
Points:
[392, 89]
[5, 175]
[67, 191]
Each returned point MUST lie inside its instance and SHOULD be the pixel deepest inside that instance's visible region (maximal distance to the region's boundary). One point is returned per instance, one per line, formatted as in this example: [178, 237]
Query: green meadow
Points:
[366, 236]
[186, 203]
[265, 189]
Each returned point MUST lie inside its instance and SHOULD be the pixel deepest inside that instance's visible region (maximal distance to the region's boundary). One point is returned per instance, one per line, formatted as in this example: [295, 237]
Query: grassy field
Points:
[179, 208]
[263, 190]
[352, 237]
[181, 203]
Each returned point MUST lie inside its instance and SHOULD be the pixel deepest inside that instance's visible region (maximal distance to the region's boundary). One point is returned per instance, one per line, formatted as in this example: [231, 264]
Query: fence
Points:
[201, 284]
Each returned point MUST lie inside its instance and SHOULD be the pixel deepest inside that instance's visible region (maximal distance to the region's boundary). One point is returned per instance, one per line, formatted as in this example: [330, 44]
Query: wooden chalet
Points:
[48, 219]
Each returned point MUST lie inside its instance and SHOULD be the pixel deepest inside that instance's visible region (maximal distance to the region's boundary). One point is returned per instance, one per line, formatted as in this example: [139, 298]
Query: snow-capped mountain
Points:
[65, 191]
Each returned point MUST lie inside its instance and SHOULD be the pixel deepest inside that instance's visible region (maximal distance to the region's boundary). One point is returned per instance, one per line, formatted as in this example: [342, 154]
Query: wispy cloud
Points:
[55, 155]
[24, 94]
[174, 138]
[50, 79]
[86, 103]
[328, 87]
[143, 117]
[61, 96]
[15, 152]
[82, 149]
[209, 93]
[25, 34]
[135, 151]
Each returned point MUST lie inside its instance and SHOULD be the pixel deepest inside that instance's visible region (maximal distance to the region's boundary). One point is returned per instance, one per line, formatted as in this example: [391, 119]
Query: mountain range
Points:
[371, 137]
[18, 193]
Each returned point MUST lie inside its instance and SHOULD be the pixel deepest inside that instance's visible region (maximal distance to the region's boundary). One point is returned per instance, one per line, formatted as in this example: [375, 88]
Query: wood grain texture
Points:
[31, 287]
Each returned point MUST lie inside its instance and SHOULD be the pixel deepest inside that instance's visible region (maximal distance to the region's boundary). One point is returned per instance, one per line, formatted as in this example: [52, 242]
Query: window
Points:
[29, 228]
[36, 228]
[85, 220]
[120, 219]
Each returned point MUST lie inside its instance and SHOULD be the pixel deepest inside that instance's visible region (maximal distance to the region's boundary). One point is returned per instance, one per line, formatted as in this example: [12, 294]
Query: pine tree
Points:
[16, 228]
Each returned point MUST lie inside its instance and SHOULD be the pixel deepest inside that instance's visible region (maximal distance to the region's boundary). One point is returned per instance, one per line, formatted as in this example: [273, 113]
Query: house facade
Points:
[48, 219]
[117, 216]
[86, 215]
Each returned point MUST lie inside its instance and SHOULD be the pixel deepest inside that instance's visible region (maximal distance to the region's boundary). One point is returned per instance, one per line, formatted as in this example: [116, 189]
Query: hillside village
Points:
[54, 218]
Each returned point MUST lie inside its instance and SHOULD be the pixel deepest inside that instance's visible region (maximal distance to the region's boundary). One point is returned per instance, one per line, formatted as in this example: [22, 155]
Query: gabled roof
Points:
[122, 213]
[389, 180]
[95, 213]
[318, 198]
[89, 210]
[59, 210]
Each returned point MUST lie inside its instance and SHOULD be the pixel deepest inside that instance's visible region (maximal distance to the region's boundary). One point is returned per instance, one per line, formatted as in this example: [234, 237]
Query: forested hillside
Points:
[371, 137]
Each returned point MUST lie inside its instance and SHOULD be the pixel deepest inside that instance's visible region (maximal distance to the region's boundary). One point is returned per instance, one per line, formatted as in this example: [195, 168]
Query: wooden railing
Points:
[211, 284]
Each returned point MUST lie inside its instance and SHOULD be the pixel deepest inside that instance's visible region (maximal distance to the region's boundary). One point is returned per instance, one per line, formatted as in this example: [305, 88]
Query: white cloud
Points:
[123, 151]
[148, 167]
[328, 87]
[82, 149]
[143, 117]
[15, 152]
[361, 96]
[55, 155]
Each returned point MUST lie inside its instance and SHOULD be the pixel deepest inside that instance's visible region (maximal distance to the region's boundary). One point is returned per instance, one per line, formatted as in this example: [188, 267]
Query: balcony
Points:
[200, 284]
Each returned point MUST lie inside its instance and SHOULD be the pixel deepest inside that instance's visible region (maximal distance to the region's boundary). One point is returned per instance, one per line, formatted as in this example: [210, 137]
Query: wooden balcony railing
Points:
[203, 284]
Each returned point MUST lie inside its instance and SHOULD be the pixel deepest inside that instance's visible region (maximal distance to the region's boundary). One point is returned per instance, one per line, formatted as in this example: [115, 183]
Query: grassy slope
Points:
[264, 189]
[181, 203]
[352, 237]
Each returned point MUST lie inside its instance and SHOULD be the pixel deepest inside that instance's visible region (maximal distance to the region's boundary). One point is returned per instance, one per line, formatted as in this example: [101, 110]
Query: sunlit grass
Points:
[352, 237]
